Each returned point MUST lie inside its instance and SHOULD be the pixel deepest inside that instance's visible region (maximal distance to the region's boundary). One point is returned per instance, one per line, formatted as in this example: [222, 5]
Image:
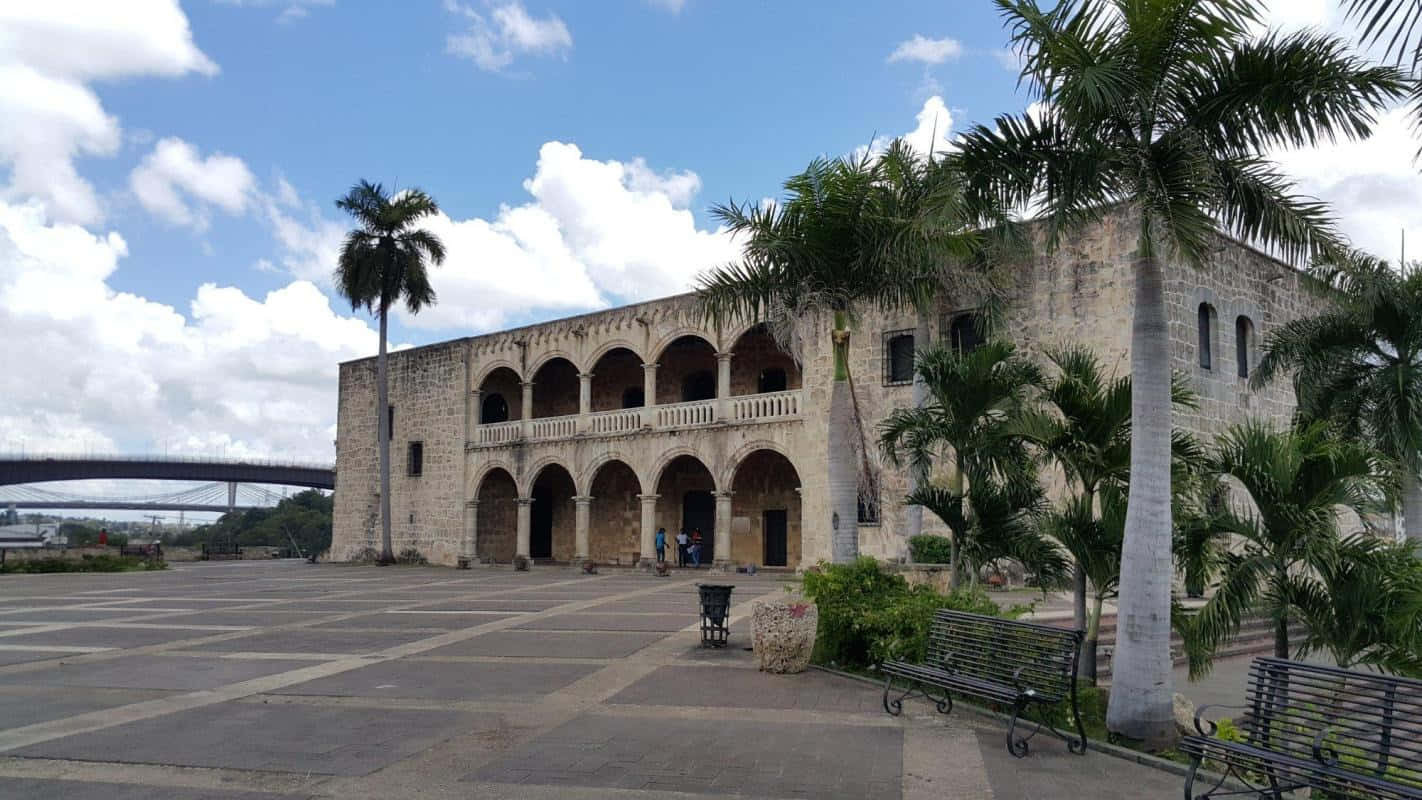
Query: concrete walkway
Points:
[274, 680]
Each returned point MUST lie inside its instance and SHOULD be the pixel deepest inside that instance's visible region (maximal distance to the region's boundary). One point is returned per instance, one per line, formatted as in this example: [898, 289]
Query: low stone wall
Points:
[76, 553]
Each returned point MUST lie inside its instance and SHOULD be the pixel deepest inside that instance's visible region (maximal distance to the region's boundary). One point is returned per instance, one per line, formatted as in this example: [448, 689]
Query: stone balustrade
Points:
[745, 409]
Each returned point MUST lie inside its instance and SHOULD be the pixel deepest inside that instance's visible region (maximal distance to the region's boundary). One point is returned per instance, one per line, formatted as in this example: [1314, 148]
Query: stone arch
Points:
[487, 369]
[733, 463]
[585, 478]
[556, 387]
[617, 380]
[551, 487]
[686, 492]
[666, 341]
[759, 364]
[500, 395]
[536, 468]
[496, 493]
[655, 474]
[765, 508]
[550, 355]
[609, 346]
[477, 479]
[614, 512]
[687, 369]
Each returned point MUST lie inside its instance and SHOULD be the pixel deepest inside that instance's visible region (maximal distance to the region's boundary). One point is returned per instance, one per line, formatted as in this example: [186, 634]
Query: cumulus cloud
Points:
[592, 233]
[177, 184]
[49, 53]
[927, 51]
[932, 132]
[495, 38]
[105, 368]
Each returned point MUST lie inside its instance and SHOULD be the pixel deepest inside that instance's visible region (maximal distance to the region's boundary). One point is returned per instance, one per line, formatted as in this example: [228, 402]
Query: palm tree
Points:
[975, 400]
[382, 262]
[1296, 481]
[1092, 528]
[1359, 364]
[873, 231]
[1164, 107]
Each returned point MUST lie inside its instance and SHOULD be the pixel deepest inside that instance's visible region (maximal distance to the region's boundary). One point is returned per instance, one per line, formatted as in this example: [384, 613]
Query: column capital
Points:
[725, 494]
[652, 367]
[586, 376]
[526, 384]
[525, 501]
[648, 497]
[724, 355]
[582, 499]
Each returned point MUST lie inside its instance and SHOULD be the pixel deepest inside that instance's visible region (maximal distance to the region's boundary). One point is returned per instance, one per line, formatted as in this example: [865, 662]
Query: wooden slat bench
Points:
[1021, 665]
[1344, 733]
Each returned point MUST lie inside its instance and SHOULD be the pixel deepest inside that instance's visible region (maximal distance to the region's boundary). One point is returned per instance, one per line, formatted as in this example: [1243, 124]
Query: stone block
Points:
[783, 633]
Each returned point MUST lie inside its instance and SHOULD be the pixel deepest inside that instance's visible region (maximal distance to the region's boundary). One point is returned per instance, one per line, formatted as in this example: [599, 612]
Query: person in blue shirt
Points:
[661, 545]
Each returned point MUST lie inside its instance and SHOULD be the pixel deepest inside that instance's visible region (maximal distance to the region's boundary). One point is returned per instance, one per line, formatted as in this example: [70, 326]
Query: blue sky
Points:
[168, 172]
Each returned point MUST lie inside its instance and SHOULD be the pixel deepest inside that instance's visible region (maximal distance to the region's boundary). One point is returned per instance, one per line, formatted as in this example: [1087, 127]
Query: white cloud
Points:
[932, 133]
[49, 53]
[674, 6]
[176, 183]
[927, 51]
[106, 369]
[493, 41]
[291, 10]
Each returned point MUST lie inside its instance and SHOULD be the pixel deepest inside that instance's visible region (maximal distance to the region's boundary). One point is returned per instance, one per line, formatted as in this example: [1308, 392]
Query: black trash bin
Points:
[715, 611]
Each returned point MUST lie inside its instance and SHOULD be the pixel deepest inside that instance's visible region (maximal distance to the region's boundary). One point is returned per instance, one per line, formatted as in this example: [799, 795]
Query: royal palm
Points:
[1161, 109]
[383, 262]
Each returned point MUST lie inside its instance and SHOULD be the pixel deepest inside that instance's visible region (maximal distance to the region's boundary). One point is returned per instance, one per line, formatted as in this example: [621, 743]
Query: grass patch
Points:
[86, 563]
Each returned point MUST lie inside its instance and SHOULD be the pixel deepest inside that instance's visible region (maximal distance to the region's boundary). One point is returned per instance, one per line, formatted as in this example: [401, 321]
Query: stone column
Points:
[469, 548]
[723, 531]
[649, 530]
[582, 506]
[527, 415]
[476, 400]
[584, 400]
[723, 387]
[525, 526]
[649, 394]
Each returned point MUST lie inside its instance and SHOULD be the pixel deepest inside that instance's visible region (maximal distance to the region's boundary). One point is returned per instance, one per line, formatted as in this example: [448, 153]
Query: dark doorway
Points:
[772, 380]
[540, 540]
[699, 386]
[633, 397]
[775, 531]
[495, 409]
[698, 510]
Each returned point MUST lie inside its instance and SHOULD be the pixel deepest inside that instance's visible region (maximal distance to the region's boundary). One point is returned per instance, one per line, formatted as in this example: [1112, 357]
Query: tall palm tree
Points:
[1295, 482]
[1359, 364]
[969, 424]
[383, 262]
[1164, 106]
[873, 231]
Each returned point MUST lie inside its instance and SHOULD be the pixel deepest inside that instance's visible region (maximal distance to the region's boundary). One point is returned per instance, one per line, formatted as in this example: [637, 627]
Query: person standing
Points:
[660, 543]
[681, 543]
[696, 548]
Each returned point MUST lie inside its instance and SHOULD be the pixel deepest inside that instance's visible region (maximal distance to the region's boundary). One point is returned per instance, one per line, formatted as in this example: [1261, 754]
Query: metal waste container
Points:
[715, 612]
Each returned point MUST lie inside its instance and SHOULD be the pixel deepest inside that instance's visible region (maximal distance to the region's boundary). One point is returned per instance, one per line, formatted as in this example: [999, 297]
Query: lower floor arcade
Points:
[749, 514]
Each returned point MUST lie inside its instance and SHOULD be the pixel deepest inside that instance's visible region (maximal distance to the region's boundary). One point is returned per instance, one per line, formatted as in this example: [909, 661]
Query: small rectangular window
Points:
[898, 357]
[390, 424]
[415, 460]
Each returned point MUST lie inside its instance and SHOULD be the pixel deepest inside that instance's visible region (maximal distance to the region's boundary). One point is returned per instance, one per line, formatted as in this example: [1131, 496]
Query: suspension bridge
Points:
[228, 484]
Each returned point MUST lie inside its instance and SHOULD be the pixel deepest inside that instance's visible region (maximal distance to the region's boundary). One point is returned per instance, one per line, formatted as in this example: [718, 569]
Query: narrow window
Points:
[415, 459]
[1243, 338]
[633, 397]
[772, 380]
[1207, 313]
[390, 424]
[898, 358]
[494, 409]
[966, 333]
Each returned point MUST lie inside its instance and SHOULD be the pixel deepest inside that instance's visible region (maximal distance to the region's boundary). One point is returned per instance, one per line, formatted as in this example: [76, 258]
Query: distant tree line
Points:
[304, 518]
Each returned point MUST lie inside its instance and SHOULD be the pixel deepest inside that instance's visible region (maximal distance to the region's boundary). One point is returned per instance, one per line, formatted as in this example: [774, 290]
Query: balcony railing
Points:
[745, 409]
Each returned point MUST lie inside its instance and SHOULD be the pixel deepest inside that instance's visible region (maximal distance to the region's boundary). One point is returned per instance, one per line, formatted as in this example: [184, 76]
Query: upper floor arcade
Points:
[670, 376]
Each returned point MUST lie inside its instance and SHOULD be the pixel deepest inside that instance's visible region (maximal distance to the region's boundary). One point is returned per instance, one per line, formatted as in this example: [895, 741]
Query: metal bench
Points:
[1344, 733]
[221, 549]
[1021, 665]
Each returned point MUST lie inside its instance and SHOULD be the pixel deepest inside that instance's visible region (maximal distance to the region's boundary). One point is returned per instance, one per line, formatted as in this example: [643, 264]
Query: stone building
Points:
[578, 438]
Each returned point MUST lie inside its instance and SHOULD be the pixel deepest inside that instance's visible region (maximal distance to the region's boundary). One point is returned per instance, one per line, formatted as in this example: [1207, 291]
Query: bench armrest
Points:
[1326, 755]
[1201, 722]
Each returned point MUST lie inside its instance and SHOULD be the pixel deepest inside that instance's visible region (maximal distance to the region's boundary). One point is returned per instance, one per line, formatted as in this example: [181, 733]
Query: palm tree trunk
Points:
[1078, 600]
[918, 473]
[842, 472]
[387, 549]
[1142, 692]
[1086, 669]
[955, 544]
[1412, 506]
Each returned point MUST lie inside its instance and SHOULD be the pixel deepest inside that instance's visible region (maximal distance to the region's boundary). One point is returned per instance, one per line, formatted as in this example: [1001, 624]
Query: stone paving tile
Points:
[513, 603]
[177, 673]
[70, 615]
[282, 738]
[1051, 772]
[38, 789]
[665, 623]
[85, 636]
[550, 644]
[446, 680]
[20, 707]
[758, 759]
[24, 656]
[311, 641]
[256, 618]
[738, 687]
[178, 601]
[411, 619]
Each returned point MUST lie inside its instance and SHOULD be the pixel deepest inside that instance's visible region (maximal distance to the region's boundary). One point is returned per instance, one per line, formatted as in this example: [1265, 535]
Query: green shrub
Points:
[869, 615]
[87, 563]
[929, 549]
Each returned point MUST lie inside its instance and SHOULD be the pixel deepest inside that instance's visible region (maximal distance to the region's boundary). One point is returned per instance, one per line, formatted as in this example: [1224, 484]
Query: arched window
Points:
[772, 380]
[699, 386]
[494, 409]
[1206, 323]
[898, 357]
[1243, 341]
[966, 333]
[633, 397]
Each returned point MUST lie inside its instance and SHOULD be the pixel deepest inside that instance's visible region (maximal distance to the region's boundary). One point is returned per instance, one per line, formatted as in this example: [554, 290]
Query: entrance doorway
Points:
[776, 530]
[698, 510]
[540, 534]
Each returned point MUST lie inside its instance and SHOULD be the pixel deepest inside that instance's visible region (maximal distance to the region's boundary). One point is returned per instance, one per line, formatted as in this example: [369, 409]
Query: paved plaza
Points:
[278, 680]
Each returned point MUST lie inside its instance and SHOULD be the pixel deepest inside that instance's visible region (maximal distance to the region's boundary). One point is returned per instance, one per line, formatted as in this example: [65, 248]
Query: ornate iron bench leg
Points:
[895, 706]
[1078, 745]
[1017, 746]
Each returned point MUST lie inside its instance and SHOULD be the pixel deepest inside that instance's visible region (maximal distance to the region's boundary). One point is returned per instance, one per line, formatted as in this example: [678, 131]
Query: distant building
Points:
[581, 436]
